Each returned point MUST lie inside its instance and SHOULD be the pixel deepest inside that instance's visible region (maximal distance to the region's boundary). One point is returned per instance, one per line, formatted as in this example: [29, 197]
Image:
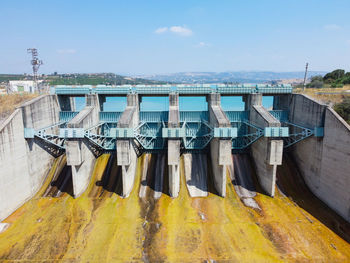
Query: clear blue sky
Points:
[143, 37]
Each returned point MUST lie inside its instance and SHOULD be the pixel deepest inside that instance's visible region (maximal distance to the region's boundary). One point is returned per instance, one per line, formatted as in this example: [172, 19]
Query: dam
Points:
[254, 185]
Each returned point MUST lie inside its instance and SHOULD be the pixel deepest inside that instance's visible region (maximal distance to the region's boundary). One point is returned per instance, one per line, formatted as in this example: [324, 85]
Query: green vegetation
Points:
[316, 82]
[82, 79]
[343, 109]
[335, 79]
[7, 77]
[96, 79]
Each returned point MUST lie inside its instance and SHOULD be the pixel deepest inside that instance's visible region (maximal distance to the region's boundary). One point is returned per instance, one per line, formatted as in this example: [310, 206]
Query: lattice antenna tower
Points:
[36, 63]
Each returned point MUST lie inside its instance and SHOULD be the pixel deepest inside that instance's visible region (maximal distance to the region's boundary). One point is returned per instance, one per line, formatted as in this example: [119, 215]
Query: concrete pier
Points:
[267, 152]
[79, 156]
[174, 146]
[126, 155]
[220, 149]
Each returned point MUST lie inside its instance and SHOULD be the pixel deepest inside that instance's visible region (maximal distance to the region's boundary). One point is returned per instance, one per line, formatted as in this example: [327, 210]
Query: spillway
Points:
[150, 226]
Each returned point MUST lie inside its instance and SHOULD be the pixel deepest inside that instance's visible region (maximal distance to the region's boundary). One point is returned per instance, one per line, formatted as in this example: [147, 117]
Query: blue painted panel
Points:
[282, 89]
[112, 90]
[280, 115]
[77, 133]
[106, 116]
[225, 132]
[154, 116]
[319, 131]
[237, 116]
[276, 131]
[153, 89]
[186, 89]
[122, 132]
[69, 90]
[193, 116]
[29, 133]
[66, 116]
[173, 132]
[236, 90]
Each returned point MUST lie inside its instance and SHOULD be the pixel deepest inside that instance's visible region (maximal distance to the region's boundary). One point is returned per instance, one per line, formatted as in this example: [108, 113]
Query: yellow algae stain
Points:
[297, 237]
[113, 231]
[178, 238]
[109, 228]
[209, 228]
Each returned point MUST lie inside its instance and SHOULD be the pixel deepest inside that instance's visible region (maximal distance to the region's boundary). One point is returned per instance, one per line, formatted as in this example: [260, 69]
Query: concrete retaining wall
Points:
[323, 162]
[23, 163]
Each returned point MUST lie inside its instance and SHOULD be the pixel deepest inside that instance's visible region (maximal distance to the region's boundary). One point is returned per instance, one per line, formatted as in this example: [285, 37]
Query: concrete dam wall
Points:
[323, 161]
[24, 163]
[63, 196]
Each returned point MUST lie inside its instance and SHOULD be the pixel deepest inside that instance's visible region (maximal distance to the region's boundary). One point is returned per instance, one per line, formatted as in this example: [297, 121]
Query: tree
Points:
[334, 75]
[316, 82]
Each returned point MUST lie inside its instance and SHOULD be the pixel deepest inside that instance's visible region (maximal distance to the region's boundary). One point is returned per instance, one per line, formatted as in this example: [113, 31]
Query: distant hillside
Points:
[235, 77]
[82, 79]
[7, 77]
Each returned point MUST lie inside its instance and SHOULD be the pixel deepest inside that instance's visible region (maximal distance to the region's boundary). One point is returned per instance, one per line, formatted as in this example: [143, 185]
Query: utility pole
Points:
[36, 63]
[307, 65]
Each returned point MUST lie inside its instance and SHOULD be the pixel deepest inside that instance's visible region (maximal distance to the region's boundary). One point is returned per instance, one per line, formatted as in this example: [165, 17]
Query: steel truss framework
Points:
[152, 132]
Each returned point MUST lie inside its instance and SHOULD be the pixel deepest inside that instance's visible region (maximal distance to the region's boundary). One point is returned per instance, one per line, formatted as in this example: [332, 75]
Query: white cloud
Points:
[66, 51]
[332, 27]
[161, 30]
[203, 44]
[182, 31]
[178, 30]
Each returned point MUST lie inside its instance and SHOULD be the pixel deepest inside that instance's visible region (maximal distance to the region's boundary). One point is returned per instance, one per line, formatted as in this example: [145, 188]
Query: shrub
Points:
[343, 109]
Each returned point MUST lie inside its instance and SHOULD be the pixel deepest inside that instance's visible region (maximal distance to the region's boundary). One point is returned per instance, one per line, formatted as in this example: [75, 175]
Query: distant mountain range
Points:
[235, 77]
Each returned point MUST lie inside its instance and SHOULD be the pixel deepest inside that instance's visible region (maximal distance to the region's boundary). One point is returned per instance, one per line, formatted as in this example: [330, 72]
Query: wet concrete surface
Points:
[101, 226]
[195, 167]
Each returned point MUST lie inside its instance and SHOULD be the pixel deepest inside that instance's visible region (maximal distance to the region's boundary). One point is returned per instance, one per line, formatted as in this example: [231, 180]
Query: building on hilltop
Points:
[22, 86]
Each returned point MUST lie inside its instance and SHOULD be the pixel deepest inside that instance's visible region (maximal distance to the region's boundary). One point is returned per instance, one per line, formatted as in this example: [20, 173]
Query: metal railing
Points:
[193, 116]
[66, 116]
[109, 116]
[185, 89]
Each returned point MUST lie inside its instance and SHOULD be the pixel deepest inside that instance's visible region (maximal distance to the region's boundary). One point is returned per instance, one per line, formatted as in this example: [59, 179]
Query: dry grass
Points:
[329, 99]
[8, 103]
